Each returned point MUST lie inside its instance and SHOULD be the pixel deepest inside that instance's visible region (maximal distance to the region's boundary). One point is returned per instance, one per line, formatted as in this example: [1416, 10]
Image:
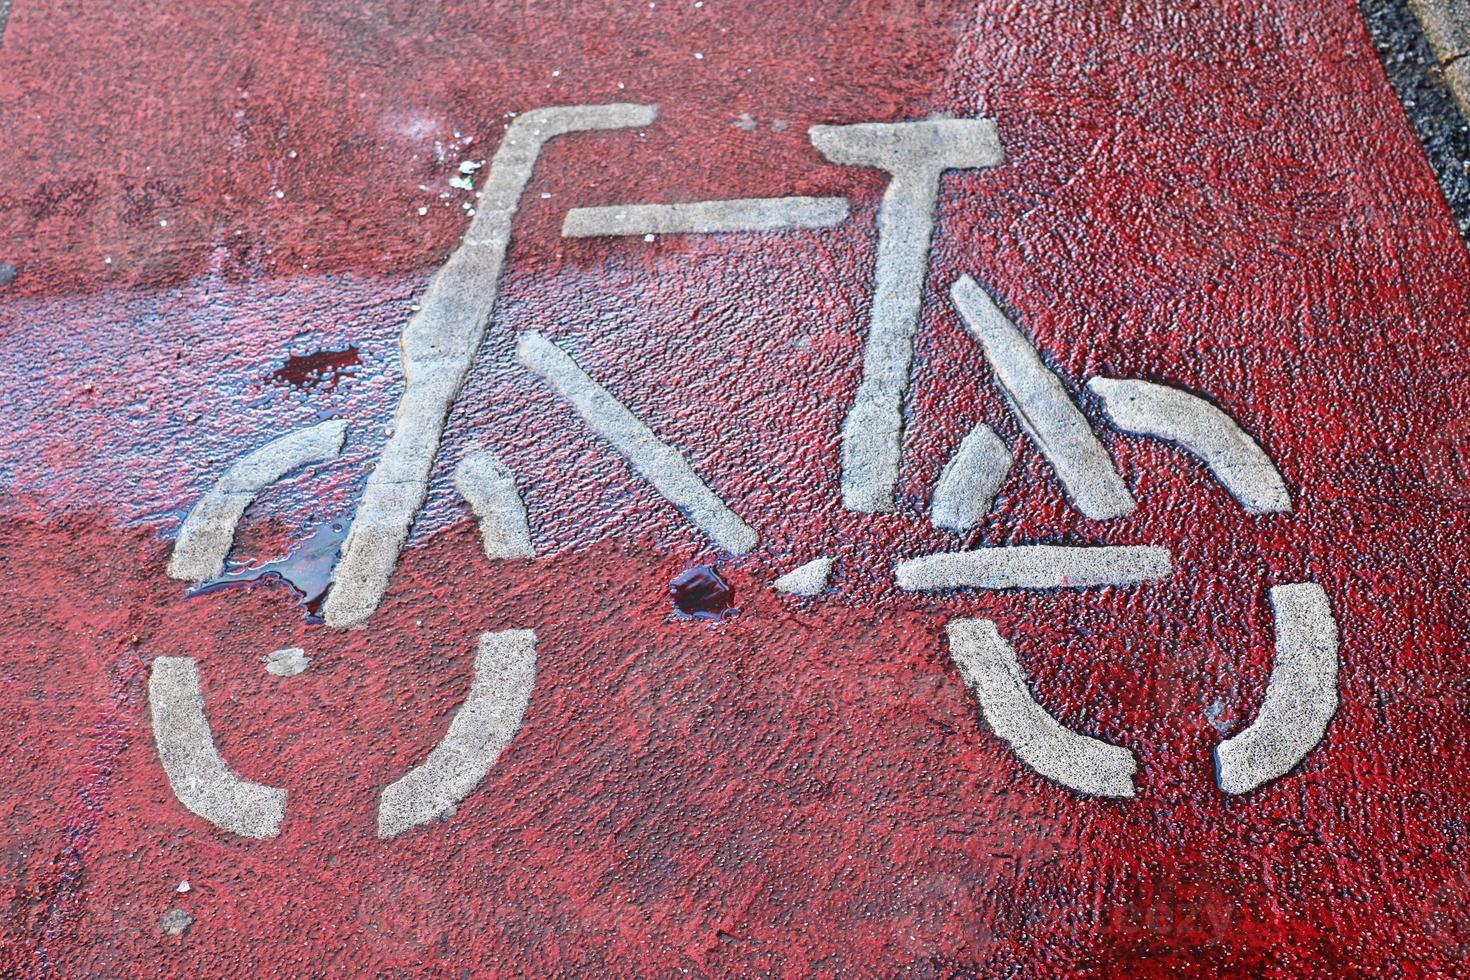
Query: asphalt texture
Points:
[1414, 74]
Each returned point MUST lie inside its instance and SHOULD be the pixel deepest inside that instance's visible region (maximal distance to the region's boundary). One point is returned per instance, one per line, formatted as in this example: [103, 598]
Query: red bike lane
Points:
[220, 221]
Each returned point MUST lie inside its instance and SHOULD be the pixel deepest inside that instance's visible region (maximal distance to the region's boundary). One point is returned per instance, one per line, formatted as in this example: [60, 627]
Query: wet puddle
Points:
[700, 593]
[307, 570]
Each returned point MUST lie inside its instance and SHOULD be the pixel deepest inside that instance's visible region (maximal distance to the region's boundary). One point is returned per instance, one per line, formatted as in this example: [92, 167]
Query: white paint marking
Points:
[808, 580]
[1037, 566]
[1301, 696]
[659, 463]
[988, 665]
[490, 487]
[438, 347]
[706, 217]
[967, 487]
[914, 154]
[209, 530]
[505, 670]
[1043, 407]
[175, 922]
[1147, 409]
[287, 662]
[199, 777]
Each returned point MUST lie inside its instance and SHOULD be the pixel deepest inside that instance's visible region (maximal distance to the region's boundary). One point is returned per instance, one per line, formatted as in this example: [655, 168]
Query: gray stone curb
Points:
[1447, 25]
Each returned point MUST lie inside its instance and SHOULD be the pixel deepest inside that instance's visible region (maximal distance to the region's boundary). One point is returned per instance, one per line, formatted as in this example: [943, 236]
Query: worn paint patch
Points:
[286, 662]
[175, 922]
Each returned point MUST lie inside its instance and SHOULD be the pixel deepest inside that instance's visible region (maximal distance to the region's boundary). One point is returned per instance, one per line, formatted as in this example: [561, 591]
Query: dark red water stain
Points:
[323, 367]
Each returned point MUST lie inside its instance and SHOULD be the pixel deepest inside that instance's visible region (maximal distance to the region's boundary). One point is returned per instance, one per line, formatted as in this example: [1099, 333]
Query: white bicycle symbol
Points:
[439, 345]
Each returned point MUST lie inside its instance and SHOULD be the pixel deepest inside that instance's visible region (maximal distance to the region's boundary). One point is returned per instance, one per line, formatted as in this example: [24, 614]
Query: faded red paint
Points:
[1224, 197]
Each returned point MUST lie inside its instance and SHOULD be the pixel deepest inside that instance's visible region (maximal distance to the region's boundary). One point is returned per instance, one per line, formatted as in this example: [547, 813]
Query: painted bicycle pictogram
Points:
[440, 343]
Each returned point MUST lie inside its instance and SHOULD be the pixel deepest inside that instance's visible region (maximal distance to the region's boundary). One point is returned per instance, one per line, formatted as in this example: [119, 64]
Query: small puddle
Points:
[700, 593]
[307, 569]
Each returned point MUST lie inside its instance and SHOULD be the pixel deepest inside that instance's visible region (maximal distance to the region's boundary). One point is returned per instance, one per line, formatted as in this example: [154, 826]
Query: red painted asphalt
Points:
[1223, 197]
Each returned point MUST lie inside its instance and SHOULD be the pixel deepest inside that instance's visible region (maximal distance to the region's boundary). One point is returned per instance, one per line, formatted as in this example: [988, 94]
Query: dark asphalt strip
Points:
[1414, 73]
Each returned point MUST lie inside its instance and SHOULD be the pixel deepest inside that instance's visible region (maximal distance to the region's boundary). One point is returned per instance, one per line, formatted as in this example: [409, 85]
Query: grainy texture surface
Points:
[1223, 196]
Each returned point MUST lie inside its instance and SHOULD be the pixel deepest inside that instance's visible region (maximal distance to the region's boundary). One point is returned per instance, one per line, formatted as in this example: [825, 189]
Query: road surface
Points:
[922, 488]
